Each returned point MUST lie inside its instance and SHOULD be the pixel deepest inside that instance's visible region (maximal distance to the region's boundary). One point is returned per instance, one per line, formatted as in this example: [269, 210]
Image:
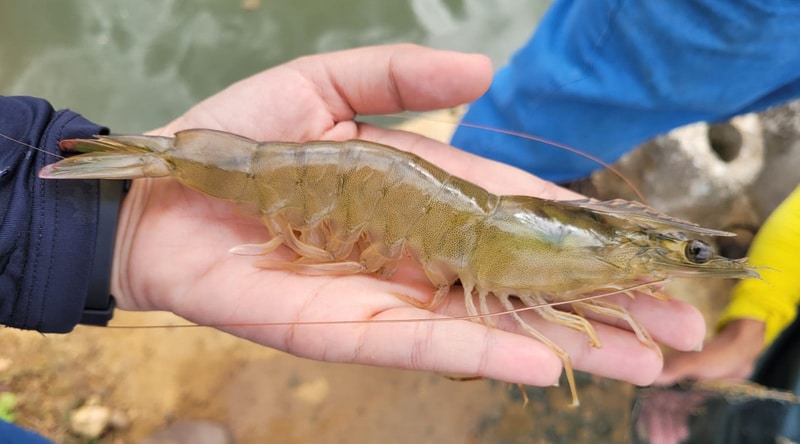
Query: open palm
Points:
[172, 250]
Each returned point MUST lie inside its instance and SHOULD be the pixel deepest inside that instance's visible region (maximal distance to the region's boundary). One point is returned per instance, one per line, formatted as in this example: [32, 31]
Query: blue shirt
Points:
[605, 76]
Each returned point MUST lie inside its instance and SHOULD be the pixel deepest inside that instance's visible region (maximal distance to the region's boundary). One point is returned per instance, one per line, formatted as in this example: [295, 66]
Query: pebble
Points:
[92, 419]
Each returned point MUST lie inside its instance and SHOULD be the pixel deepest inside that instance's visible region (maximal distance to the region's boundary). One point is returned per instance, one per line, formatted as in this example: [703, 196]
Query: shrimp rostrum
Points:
[359, 207]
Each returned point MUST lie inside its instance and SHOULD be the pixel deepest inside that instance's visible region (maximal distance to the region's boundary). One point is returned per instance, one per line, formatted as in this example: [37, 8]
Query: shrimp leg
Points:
[506, 302]
[573, 321]
[314, 269]
[257, 249]
[617, 312]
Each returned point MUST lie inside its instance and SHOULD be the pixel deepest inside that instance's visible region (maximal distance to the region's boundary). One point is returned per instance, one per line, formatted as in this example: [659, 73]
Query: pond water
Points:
[135, 65]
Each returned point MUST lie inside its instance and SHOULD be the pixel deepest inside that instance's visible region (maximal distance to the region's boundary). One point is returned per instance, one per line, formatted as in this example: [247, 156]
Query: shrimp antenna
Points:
[28, 145]
[531, 137]
[401, 321]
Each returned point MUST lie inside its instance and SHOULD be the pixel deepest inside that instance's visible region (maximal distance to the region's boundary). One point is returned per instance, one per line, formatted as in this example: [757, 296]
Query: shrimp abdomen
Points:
[393, 200]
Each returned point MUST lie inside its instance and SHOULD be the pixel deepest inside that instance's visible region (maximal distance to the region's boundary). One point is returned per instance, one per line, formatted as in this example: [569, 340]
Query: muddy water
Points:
[134, 65]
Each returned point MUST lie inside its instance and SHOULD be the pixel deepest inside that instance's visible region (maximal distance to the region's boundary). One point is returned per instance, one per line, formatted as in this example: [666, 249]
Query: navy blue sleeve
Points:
[13, 434]
[47, 227]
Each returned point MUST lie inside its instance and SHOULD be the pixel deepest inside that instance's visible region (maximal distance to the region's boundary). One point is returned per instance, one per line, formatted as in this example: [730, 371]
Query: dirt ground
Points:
[154, 376]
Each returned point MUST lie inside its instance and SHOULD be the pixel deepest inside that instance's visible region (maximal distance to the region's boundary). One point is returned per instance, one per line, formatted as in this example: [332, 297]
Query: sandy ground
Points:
[154, 376]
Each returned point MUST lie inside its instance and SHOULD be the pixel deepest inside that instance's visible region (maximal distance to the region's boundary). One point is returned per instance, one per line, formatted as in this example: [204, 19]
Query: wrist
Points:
[130, 215]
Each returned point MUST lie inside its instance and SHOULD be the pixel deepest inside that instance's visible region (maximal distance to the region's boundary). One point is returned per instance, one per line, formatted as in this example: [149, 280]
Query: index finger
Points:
[393, 78]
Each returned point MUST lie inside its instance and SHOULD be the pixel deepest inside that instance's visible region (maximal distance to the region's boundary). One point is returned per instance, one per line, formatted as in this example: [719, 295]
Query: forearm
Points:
[49, 228]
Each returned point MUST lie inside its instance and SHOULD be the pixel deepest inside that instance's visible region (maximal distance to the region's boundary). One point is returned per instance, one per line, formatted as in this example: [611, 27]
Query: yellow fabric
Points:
[774, 298]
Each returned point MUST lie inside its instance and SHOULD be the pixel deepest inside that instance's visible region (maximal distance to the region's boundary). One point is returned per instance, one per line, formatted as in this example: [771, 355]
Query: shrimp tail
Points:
[112, 157]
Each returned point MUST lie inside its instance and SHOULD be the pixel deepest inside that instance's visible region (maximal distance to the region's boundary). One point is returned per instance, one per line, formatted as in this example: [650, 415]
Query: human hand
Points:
[730, 354]
[172, 247]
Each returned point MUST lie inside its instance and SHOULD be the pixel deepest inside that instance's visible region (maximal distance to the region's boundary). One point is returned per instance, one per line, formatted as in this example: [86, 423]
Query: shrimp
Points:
[359, 207]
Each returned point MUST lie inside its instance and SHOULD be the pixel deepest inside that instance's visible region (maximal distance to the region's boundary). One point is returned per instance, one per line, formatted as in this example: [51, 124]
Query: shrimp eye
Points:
[698, 252]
